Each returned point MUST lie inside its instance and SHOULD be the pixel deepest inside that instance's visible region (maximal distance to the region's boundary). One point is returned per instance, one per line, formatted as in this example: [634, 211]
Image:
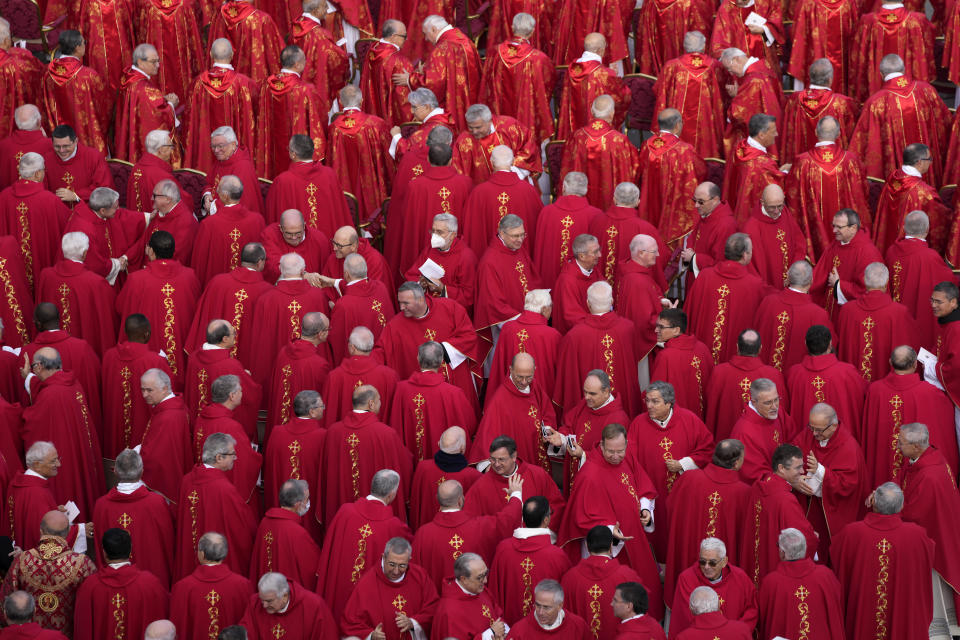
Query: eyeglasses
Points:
[158, 195]
[480, 576]
[515, 236]
[397, 565]
[774, 207]
[220, 145]
[837, 227]
[709, 563]
[229, 454]
[341, 246]
[927, 159]
[817, 431]
[699, 202]
[663, 327]
[152, 61]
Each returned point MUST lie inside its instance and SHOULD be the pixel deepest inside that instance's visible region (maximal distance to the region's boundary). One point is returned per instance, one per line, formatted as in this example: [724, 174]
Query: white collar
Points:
[208, 466]
[608, 401]
[797, 290]
[914, 238]
[756, 145]
[117, 565]
[589, 56]
[817, 86]
[636, 617]
[522, 533]
[209, 347]
[291, 71]
[436, 112]
[911, 171]
[31, 472]
[127, 488]
[582, 270]
[824, 143]
[390, 43]
[72, 156]
[891, 5]
[222, 65]
[353, 282]
[172, 395]
[823, 443]
[373, 498]
[891, 76]
[464, 590]
[449, 27]
[312, 17]
[284, 610]
[667, 133]
[556, 623]
[662, 424]
[145, 74]
[77, 261]
[751, 59]
[345, 109]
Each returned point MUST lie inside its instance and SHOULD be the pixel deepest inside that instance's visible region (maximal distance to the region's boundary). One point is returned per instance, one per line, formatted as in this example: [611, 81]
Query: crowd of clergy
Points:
[384, 319]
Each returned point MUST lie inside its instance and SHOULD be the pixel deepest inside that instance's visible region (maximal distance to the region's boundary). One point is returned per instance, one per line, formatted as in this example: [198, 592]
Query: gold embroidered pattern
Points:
[293, 308]
[567, 222]
[897, 281]
[361, 560]
[268, 540]
[169, 322]
[719, 322]
[125, 376]
[430, 334]
[287, 371]
[445, 194]
[399, 603]
[896, 402]
[625, 481]
[65, 318]
[503, 199]
[666, 444]
[542, 460]
[11, 298]
[803, 629]
[522, 336]
[85, 414]
[277, 631]
[203, 376]
[527, 565]
[883, 575]
[712, 512]
[193, 498]
[866, 356]
[757, 508]
[745, 389]
[781, 343]
[26, 244]
[419, 429]
[377, 307]
[610, 263]
[522, 276]
[595, 608]
[234, 248]
[295, 449]
[353, 441]
[456, 542]
[213, 612]
[119, 616]
[240, 295]
[695, 363]
[818, 383]
[311, 190]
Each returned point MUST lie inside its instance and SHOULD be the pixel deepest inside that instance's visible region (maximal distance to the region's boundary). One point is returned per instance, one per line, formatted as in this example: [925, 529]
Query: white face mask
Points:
[306, 509]
[437, 242]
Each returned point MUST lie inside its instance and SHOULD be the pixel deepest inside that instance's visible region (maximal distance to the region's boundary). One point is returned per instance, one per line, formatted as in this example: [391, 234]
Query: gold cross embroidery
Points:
[124, 520]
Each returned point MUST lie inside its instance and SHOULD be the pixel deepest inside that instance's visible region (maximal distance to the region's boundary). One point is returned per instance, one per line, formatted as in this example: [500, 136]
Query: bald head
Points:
[450, 494]
[221, 50]
[828, 129]
[603, 108]
[160, 630]
[501, 158]
[595, 43]
[670, 120]
[453, 440]
[772, 201]
[54, 523]
[27, 117]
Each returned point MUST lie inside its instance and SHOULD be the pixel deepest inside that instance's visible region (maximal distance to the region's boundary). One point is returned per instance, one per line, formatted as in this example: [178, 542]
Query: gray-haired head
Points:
[27, 117]
[439, 135]
[582, 243]
[761, 385]
[523, 25]
[230, 189]
[361, 339]
[915, 433]
[730, 54]
[103, 198]
[575, 184]
[350, 96]
[155, 140]
[38, 451]
[821, 72]
[313, 324]
[225, 131]
[222, 387]
[423, 97]
[30, 163]
[501, 158]
[385, 482]
[600, 297]
[694, 42]
[464, 565]
[603, 108]
[916, 224]
[601, 377]
[704, 600]
[217, 444]
[355, 267]
[447, 218]
[170, 189]
[430, 355]
[537, 299]
[552, 587]
[18, 607]
[435, 22]
[273, 582]
[792, 543]
[509, 221]
[478, 113]
[667, 393]
[143, 52]
[128, 466]
[714, 544]
[828, 129]
[888, 499]
[800, 274]
[221, 50]
[214, 546]
[74, 245]
[626, 194]
[670, 119]
[737, 247]
[160, 630]
[292, 491]
[876, 276]
[398, 546]
[306, 401]
[891, 63]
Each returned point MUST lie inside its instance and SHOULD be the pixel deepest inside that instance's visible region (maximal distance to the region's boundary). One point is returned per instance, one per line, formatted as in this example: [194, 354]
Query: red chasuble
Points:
[528, 333]
[20, 74]
[557, 225]
[299, 366]
[500, 29]
[930, 499]
[181, 223]
[748, 171]
[190, 601]
[504, 277]
[903, 109]
[823, 378]
[239, 164]
[572, 626]
[902, 194]
[424, 406]
[870, 327]
[354, 450]
[288, 105]
[501, 193]
[79, 96]
[709, 237]
[850, 261]
[519, 415]
[312, 189]
[574, 22]
[605, 494]
[276, 321]
[205, 366]
[14, 146]
[721, 304]
[215, 418]
[660, 30]
[461, 614]
[307, 617]
[377, 600]
[758, 91]
[735, 589]
[902, 31]
[582, 84]
[452, 71]
[666, 160]
[570, 295]
[488, 495]
[328, 65]
[30, 631]
[684, 437]
[760, 437]
[587, 425]
[60, 414]
[283, 545]
[606, 342]
[293, 451]
[230, 296]
[472, 154]
[822, 181]
[172, 24]
[823, 29]
[141, 108]
[166, 292]
[167, 450]
[358, 153]
[638, 299]
[459, 263]
[615, 228]
[605, 155]
[118, 603]
[518, 81]
[109, 238]
[355, 371]
[427, 477]
[520, 563]
[586, 587]
[439, 542]
[730, 30]
[377, 269]
[255, 38]
[772, 508]
[78, 358]
[35, 218]
[915, 269]
[221, 239]
[82, 173]
[28, 498]
[704, 503]
[209, 502]
[314, 249]
[218, 97]
[85, 302]
[686, 363]
[365, 303]
[804, 109]
[381, 96]
[729, 392]
[353, 544]
[436, 190]
[800, 596]
[866, 555]
[691, 84]
[149, 521]
[777, 243]
[108, 32]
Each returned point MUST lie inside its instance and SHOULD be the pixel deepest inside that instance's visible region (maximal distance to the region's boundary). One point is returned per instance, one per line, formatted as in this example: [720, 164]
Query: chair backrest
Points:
[642, 100]
[716, 168]
[264, 187]
[947, 194]
[875, 186]
[554, 153]
[407, 128]
[192, 181]
[120, 170]
[354, 208]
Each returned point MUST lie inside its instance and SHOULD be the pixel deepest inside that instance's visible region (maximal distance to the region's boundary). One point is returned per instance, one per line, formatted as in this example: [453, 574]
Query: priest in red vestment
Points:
[484, 133]
[170, 214]
[798, 596]
[762, 427]
[823, 180]
[172, 291]
[28, 136]
[915, 269]
[729, 391]
[219, 97]
[452, 69]
[906, 191]
[356, 369]
[448, 463]
[301, 364]
[683, 361]
[824, 31]
[142, 513]
[559, 223]
[759, 39]
[347, 241]
[292, 235]
[142, 107]
[704, 246]
[221, 237]
[505, 274]
[640, 293]
[29, 496]
[289, 106]
[756, 90]
[74, 170]
[174, 27]
[549, 617]
[458, 261]
[608, 19]
[108, 28]
[773, 508]
[690, 83]
[612, 490]
[893, 29]
[587, 79]
[615, 229]
[354, 534]
[328, 63]
[20, 73]
[212, 581]
[805, 109]
[384, 59]
[208, 501]
[364, 303]
[150, 168]
[230, 159]
[282, 608]
[867, 554]
[662, 30]
[77, 95]
[666, 159]
[529, 333]
[294, 449]
[85, 300]
[838, 274]
[904, 110]
[256, 38]
[751, 167]
[466, 608]
[308, 187]
[872, 325]
[166, 448]
[570, 289]
[395, 598]
[836, 475]
[778, 240]
[605, 155]
[518, 79]
[282, 543]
